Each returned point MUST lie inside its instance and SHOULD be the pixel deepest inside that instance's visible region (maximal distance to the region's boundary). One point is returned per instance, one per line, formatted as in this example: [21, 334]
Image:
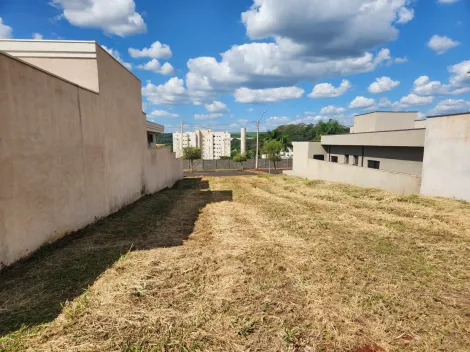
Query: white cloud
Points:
[250, 110]
[156, 51]
[154, 66]
[269, 95]
[421, 116]
[277, 120]
[447, 1]
[332, 110]
[327, 28]
[117, 56]
[400, 60]
[362, 103]
[405, 102]
[173, 92]
[327, 90]
[38, 36]
[450, 106]
[216, 106]
[309, 120]
[308, 40]
[6, 32]
[271, 65]
[459, 82]
[119, 18]
[383, 84]
[384, 103]
[415, 100]
[207, 117]
[460, 78]
[441, 44]
[309, 112]
[162, 113]
[405, 15]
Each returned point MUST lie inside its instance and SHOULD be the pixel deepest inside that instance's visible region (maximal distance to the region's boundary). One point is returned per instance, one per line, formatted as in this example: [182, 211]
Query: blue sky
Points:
[220, 63]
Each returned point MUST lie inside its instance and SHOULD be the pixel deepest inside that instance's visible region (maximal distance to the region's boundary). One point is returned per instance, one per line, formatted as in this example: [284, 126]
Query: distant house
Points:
[394, 151]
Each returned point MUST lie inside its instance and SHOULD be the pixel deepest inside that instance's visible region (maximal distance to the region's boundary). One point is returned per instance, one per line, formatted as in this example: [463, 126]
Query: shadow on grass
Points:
[31, 291]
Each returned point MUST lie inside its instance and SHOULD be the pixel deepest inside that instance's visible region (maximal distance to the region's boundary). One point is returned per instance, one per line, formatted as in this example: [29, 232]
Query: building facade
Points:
[213, 145]
[394, 151]
[74, 143]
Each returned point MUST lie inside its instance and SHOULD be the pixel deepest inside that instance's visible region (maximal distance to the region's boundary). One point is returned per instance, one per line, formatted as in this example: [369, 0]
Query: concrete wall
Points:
[73, 61]
[400, 159]
[384, 121]
[406, 138]
[446, 167]
[420, 123]
[162, 169]
[69, 155]
[304, 151]
[359, 176]
[396, 159]
[389, 121]
[83, 72]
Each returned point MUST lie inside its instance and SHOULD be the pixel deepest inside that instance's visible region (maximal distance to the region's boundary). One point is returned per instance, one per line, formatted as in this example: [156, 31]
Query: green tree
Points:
[250, 154]
[272, 149]
[224, 157]
[191, 153]
[330, 127]
[298, 133]
[276, 135]
[239, 158]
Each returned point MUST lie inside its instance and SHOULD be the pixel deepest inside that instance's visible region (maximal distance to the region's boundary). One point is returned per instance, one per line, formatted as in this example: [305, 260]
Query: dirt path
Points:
[255, 263]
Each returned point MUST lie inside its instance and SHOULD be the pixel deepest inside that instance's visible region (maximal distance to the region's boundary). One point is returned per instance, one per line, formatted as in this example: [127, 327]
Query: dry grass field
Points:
[263, 263]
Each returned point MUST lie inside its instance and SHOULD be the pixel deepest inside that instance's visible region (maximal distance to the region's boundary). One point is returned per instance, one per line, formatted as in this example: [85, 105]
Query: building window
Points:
[319, 157]
[334, 159]
[356, 160]
[346, 159]
[373, 164]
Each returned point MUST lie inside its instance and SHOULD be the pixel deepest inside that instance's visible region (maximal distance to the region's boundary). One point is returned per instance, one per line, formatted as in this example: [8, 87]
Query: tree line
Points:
[273, 143]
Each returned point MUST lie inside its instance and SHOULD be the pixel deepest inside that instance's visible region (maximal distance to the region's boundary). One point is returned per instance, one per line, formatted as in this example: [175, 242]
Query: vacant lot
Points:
[260, 263]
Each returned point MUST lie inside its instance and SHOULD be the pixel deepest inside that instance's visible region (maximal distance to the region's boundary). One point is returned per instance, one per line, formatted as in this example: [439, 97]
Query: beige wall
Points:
[420, 123]
[68, 155]
[162, 169]
[396, 159]
[359, 176]
[446, 167]
[384, 121]
[83, 72]
[364, 123]
[408, 138]
[304, 151]
[74, 61]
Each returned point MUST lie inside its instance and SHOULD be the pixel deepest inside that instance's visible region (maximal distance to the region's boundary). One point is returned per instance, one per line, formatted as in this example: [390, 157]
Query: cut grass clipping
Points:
[263, 263]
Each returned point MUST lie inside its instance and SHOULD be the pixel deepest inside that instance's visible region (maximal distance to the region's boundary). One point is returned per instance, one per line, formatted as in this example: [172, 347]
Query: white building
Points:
[289, 154]
[213, 144]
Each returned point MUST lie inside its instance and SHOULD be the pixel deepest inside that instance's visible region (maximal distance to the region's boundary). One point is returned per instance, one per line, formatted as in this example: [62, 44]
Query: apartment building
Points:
[75, 145]
[396, 152]
[214, 145]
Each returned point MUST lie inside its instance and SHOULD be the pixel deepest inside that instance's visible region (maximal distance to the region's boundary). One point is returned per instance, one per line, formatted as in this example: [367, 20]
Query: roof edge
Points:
[389, 112]
[48, 40]
[132, 73]
[455, 114]
[386, 131]
[48, 73]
